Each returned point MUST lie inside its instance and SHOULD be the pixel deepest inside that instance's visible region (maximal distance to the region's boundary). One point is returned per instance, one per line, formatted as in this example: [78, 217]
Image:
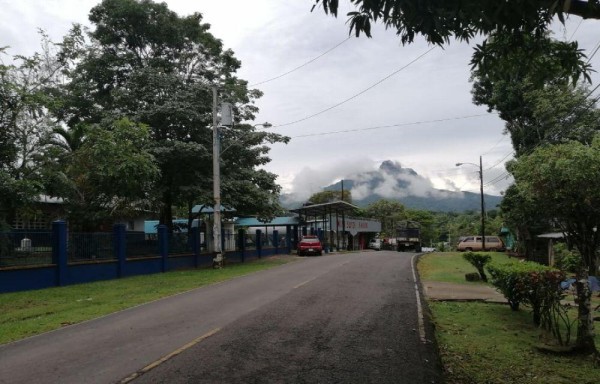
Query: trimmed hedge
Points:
[529, 283]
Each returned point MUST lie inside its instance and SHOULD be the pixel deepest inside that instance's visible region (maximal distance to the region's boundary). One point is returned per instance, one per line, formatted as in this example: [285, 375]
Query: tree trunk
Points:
[585, 326]
[166, 214]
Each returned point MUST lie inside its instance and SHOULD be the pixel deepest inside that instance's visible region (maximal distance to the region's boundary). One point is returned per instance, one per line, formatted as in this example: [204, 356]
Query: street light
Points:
[482, 204]
[226, 120]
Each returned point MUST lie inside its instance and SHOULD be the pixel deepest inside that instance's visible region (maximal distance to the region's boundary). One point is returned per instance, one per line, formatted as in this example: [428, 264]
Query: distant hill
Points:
[393, 182]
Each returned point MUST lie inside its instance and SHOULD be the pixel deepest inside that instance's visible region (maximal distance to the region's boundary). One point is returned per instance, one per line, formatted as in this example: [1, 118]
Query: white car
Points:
[375, 244]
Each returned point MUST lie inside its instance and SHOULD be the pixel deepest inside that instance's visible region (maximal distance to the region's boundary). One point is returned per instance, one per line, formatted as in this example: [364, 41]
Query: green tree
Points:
[148, 64]
[521, 77]
[556, 179]
[389, 212]
[330, 196]
[438, 21]
[107, 177]
[24, 123]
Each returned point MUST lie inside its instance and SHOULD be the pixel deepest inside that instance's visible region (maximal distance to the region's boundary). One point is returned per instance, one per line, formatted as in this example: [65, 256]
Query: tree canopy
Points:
[118, 117]
[145, 63]
[438, 21]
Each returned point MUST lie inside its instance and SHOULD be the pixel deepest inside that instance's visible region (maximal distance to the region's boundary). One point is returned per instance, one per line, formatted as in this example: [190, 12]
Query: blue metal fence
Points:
[25, 249]
[90, 246]
[46, 259]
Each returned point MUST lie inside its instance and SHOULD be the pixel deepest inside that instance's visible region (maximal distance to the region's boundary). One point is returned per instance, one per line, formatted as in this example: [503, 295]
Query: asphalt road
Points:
[343, 318]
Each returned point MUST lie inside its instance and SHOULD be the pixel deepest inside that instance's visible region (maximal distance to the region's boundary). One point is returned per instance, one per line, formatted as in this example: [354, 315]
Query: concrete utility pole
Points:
[482, 205]
[482, 202]
[226, 120]
[218, 260]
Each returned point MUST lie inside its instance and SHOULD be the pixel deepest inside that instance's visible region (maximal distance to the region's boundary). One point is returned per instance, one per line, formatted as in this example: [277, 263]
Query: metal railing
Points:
[25, 249]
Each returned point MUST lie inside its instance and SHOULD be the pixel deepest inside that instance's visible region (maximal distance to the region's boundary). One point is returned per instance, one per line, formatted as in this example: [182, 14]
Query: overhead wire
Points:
[359, 93]
[301, 65]
[387, 126]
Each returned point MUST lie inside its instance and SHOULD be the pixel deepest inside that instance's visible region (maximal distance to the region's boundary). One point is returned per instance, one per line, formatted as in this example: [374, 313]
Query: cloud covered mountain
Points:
[393, 182]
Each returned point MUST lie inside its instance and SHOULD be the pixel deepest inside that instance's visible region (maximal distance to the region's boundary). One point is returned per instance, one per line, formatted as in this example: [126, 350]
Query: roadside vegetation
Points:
[29, 313]
[492, 343]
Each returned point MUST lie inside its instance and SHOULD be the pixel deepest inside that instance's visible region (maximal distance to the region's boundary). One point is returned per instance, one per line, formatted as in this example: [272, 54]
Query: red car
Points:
[310, 245]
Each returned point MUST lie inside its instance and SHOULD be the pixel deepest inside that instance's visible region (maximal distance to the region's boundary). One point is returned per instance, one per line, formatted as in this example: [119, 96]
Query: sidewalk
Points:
[441, 291]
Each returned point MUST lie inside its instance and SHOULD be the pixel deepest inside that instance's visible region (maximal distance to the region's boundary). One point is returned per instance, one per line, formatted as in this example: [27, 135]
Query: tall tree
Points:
[513, 75]
[147, 63]
[557, 179]
[24, 122]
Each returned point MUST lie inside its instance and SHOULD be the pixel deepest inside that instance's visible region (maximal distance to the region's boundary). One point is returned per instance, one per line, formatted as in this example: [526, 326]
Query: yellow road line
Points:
[176, 352]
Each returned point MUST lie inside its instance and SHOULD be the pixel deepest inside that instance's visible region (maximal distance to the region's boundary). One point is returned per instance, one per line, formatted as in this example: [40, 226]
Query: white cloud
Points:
[425, 101]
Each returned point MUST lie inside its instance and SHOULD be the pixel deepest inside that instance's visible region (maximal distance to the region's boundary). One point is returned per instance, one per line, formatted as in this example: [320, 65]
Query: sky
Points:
[352, 104]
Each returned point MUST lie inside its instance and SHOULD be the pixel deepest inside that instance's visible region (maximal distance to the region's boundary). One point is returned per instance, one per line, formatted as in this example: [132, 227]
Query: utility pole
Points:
[218, 260]
[482, 204]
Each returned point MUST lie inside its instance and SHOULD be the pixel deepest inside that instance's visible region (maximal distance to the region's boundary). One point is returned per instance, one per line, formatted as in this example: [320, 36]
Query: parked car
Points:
[475, 243]
[310, 245]
[375, 244]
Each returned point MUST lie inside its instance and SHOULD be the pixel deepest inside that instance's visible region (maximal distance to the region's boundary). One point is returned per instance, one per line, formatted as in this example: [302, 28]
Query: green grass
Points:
[28, 313]
[489, 343]
[450, 267]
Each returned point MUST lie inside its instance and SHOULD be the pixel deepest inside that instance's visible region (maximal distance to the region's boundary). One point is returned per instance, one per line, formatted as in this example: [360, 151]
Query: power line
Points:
[495, 145]
[301, 65]
[576, 29]
[388, 126]
[358, 94]
[497, 179]
[593, 53]
[501, 160]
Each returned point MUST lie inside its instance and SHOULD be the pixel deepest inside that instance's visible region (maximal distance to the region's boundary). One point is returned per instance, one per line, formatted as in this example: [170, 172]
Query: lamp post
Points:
[482, 203]
[226, 120]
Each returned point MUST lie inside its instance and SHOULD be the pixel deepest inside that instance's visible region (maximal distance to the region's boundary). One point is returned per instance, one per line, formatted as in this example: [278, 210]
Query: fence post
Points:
[119, 239]
[163, 245]
[259, 242]
[242, 243]
[295, 238]
[288, 238]
[59, 251]
[195, 243]
[276, 241]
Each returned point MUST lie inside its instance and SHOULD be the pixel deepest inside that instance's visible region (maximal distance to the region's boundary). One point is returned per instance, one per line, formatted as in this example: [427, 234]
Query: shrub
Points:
[538, 286]
[479, 261]
[565, 259]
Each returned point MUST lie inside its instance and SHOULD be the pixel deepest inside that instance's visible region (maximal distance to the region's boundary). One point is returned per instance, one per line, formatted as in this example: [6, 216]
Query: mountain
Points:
[393, 182]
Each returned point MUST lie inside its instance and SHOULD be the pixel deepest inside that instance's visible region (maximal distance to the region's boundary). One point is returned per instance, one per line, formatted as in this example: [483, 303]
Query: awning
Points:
[325, 208]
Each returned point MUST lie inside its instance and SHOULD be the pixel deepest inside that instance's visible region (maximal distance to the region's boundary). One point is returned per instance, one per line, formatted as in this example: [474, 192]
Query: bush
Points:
[565, 259]
[538, 286]
[479, 261]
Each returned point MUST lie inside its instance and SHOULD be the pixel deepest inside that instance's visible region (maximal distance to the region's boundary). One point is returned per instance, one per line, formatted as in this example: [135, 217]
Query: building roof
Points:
[325, 208]
[552, 235]
[278, 221]
[208, 209]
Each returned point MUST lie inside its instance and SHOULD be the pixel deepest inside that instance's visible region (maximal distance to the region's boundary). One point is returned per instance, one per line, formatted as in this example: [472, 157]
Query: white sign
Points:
[355, 226]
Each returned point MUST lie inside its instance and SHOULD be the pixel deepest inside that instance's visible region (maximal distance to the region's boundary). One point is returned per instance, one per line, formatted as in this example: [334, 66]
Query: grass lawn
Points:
[450, 267]
[29, 313]
[489, 343]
